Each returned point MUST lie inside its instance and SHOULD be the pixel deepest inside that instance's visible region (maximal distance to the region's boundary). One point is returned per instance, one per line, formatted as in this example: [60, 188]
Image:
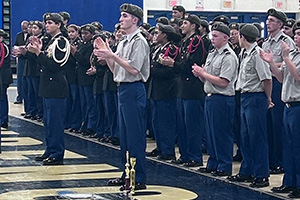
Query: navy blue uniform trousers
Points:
[291, 147]
[219, 117]
[164, 124]
[132, 124]
[254, 143]
[54, 127]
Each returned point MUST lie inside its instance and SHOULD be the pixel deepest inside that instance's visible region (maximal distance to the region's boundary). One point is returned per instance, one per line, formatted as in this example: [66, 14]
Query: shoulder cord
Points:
[66, 50]
[172, 55]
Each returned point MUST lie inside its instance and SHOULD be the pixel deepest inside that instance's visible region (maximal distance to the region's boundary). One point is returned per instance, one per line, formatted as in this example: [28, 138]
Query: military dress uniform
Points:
[73, 118]
[275, 114]
[162, 93]
[291, 118]
[221, 63]
[54, 90]
[6, 80]
[85, 83]
[254, 106]
[190, 105]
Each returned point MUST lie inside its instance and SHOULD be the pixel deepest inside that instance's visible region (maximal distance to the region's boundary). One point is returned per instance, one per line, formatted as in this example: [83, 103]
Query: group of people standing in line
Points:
[173, 80]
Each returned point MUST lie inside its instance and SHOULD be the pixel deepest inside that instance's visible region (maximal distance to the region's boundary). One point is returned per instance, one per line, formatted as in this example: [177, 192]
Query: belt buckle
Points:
[209, 94]
[287, 105]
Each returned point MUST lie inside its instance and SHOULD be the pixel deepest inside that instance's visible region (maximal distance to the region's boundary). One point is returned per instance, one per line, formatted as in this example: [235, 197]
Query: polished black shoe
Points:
[18, 102]
[114, 141]
[4, 125]
[52, 161]
[193, 163]
[205, 170]
[240, 178]
[294, 194]
[116, 182]
[277, 170]
[27, 116]
[153, 153]
[94, 136]
[179, 161]
[283, 189]
[165, 157]
[40, 158]
[140, 186]
[260, 182]
[220, 173]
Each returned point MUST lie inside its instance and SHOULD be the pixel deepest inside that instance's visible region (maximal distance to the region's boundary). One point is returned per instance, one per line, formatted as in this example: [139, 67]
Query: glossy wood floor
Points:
[89, 164]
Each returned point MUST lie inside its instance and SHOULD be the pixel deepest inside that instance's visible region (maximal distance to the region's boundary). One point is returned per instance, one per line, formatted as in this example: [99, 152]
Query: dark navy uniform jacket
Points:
[53, 82]
[162, 78]
[71, 65]
[82, 57]
[6, 70]
[192, 51]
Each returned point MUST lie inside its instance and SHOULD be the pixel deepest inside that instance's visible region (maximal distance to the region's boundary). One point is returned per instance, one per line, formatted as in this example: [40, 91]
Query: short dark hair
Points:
[249, 39]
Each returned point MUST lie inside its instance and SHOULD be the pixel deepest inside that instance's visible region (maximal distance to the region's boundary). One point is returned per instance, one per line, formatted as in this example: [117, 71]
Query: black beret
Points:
[179, 8]
[205, 24]
[250, 30]
[132, 9]
[170, 31]
[234, 25]
[151, 30]
[296, 26]
[290, 22]
[176, 20]
[65, 15]
[88, 27]
[258, 26]
[193, 19]
[163, 20]
[221, 18]
[278, 14]
[57, 18]
[146, 25]
[98, 25]
[38, 23]
[221, 27]
[3, 33]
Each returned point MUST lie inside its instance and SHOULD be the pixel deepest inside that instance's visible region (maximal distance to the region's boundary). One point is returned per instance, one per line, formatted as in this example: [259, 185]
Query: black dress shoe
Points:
[220, 173]
[116, 182]
[193, 163]
[277, 170]
[179, 161]
[283, 189]
[240, 178]
[94, 136]
[40, 158]
[153, 153]
[4, 125]
[27, 116]
[114, 141]
[18, 102]
[165, 157]
[295, 193]
[140, 186]
[205, 170]
[260, 182]
[52, 161]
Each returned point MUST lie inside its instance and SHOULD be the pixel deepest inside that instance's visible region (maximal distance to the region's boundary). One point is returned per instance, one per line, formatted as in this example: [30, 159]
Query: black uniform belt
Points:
[292, 104]
[123, 83]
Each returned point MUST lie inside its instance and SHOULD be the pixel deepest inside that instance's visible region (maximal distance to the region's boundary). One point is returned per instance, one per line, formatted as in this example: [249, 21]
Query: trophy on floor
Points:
[132, 175]
[127, 172]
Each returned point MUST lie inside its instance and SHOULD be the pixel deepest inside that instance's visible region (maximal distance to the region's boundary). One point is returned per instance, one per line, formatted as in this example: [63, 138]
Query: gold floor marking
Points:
[19, 141]
[166, 193]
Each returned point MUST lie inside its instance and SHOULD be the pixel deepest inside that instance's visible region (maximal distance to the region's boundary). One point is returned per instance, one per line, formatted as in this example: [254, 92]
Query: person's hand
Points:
[167, 61]
[73, 49]
[266, 56]
[91, 71]
[197, 70]
[285, 51]
[270, 103]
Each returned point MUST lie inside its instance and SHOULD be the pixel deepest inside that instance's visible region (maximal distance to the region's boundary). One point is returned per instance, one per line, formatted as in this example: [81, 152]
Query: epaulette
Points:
[227, 51]
[283, 37]
[195, 39]
[254, 51]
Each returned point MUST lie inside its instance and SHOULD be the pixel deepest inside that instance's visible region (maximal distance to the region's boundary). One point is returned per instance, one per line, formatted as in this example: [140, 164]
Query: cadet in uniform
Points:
[275, 21]
[219, 75]
[130, 66]
[178, 11]
[6, 79]
[162, 92]
[190, 94]
[288, 27]
[53, 87]
[289, 75]
[255, 84]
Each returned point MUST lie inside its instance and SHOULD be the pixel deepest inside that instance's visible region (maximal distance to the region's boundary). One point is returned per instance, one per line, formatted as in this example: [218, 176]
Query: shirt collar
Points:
[221, 50]
[252, 46]
[131, 35]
